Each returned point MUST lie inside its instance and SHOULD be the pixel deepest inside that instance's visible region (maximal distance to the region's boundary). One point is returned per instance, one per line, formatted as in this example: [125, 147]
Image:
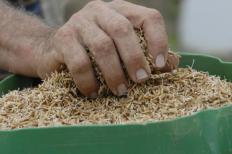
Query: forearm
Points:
[29, 47]
[20, 35]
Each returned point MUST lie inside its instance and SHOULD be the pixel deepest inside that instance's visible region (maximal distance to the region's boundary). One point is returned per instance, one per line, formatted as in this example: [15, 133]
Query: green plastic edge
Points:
[9, 83]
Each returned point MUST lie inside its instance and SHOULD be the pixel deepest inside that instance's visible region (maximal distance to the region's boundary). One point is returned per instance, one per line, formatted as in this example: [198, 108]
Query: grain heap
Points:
[165, 96]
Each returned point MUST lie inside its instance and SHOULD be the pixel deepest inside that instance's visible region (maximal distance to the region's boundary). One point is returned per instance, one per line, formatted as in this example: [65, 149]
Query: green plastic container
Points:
[207, 132]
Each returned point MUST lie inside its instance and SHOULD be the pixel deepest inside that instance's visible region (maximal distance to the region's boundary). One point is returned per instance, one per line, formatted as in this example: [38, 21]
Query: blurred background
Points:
[56, 12]
[192, 25]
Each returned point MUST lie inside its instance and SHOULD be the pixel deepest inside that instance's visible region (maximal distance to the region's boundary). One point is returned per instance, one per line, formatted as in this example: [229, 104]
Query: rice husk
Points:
[57, 101]
[165, 96]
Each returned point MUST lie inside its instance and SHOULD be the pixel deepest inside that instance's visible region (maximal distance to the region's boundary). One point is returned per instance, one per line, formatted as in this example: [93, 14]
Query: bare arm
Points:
[29, 47]
[20, 35]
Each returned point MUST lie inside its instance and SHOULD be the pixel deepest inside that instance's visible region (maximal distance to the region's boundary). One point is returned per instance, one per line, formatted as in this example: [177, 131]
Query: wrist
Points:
[43, 52]
[30, 52]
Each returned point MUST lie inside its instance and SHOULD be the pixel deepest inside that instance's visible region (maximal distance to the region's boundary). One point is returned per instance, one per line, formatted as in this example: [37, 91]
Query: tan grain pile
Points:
[165, 96]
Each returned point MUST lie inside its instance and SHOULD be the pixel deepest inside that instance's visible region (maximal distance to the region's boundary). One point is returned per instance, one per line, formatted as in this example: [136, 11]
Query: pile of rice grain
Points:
[165, 96]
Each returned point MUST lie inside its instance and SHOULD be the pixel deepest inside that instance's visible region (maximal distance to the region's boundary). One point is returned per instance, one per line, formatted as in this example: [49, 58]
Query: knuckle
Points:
[120, 27]
[94, 4]
[154, 15]
[65, 35]
[76, 16]
[76, 20]
[102, 46]
[80, 66]
[134, 59]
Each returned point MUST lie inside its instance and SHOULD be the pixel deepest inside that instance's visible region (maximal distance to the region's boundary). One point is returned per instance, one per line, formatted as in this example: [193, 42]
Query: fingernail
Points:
[122, 90]
[141, 74]
[160, 61]
[93, 95]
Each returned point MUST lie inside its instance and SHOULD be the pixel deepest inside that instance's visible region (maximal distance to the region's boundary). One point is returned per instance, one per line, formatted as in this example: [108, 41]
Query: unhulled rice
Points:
[165, 96]
[57, 101]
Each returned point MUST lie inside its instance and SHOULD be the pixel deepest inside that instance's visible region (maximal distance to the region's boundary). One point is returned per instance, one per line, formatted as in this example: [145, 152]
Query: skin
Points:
[29, 47]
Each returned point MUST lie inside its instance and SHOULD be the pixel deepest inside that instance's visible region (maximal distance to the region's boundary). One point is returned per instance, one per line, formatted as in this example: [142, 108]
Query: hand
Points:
[107, 30]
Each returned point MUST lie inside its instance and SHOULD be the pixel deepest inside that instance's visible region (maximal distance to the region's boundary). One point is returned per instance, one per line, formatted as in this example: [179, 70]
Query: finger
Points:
[78, 63]
[156, 37]
[105, 54]
[126, 41]
[151, 21]
[172, 62]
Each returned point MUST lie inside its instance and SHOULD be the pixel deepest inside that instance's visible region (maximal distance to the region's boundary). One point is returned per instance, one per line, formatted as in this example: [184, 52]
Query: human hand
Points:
[107, 30]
